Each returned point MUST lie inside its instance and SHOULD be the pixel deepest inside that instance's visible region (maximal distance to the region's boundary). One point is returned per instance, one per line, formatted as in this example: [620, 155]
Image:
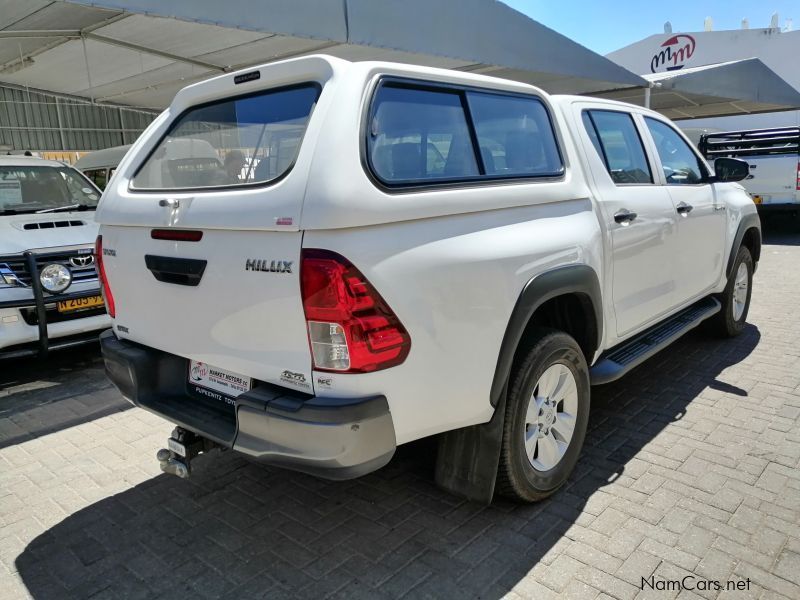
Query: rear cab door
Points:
[640, 247]
[200, 225]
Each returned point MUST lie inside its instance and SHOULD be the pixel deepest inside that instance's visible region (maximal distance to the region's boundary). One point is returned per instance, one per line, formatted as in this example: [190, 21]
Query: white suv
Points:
[316, 261]
[49, 291]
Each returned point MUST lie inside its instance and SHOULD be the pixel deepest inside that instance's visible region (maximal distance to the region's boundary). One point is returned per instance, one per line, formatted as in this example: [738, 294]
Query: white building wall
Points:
[780, 51]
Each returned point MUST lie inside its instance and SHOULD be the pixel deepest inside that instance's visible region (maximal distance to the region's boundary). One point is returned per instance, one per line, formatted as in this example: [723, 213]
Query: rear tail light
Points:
[108, 297]
[350, 327]
[798, 175]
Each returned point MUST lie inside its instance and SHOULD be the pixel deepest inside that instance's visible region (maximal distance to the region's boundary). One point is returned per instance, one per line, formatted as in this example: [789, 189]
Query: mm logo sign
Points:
[673, 53]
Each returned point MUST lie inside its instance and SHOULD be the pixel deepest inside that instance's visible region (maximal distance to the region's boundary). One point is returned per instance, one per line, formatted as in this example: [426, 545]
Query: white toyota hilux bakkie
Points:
[315, 261]
[49, 291]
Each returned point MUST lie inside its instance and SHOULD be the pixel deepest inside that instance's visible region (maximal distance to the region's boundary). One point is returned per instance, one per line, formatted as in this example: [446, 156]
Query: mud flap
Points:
[468, 458]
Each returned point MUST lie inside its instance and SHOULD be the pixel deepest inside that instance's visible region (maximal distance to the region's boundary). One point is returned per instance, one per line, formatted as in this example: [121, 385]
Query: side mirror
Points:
[731, 169]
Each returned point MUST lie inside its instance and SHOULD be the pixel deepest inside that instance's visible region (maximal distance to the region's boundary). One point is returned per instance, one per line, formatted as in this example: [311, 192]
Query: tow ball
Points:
[182, 447]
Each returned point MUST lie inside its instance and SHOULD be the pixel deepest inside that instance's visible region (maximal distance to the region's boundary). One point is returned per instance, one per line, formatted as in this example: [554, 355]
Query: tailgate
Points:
[228, 163]
[243, 314]
[773, 177]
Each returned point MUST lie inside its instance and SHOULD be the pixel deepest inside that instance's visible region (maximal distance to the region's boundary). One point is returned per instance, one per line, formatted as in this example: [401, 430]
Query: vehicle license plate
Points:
[79, 304]
[176, 447]
[219, 380]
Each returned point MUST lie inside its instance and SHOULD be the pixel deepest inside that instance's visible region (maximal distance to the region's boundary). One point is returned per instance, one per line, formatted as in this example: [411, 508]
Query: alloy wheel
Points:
[550, 417]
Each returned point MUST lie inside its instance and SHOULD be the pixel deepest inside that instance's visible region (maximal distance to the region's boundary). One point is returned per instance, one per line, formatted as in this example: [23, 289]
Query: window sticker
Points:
[10, 191]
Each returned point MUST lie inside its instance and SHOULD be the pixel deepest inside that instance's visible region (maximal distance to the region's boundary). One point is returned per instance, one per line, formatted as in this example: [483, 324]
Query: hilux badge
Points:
[268, 266]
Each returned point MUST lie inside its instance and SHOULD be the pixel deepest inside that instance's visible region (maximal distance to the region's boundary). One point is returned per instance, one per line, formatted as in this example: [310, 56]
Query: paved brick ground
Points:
[690, 468]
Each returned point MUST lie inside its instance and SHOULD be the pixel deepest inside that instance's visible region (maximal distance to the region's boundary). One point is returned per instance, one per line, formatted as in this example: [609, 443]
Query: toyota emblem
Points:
[82, 261]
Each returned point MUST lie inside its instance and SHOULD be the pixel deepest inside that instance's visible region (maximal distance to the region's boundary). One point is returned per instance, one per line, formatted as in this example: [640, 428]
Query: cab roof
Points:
[15, 160]
[108, 157]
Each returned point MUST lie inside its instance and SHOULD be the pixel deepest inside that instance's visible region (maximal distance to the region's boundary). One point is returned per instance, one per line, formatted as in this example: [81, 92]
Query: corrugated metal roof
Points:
[729, 88]
[140, 52]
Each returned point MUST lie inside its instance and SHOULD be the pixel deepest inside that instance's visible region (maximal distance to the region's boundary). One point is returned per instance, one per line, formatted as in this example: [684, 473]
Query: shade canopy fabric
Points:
[140, 52]
[728, 88]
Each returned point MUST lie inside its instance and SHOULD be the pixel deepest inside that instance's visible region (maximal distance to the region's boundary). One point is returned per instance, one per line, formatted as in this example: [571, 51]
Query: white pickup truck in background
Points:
[774, 159]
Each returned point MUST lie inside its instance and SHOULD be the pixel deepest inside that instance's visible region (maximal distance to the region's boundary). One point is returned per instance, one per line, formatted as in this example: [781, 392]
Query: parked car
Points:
[100, 165]
[774, 159]
[49, 292]
[424, 252]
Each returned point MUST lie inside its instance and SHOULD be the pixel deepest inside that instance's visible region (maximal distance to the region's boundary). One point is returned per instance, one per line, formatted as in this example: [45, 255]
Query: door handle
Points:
[684, 209]
[624, 216]
[719, 207]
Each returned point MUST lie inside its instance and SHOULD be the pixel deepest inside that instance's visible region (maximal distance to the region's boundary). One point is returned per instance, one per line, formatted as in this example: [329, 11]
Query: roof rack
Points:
[751, 142]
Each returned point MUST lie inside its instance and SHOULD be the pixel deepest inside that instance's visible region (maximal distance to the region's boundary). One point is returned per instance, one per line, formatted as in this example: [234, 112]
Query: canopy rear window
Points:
[248, 140]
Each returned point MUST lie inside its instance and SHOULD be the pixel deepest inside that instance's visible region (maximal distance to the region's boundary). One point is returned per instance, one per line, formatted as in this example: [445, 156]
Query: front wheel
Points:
[730, 321]
[547, 411]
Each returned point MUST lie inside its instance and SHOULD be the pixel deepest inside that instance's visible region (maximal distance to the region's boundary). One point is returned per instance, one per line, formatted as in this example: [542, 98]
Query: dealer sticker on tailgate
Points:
[219, 380]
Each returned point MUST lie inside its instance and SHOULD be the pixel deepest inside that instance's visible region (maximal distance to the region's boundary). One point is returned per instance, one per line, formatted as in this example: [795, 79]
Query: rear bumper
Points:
[778, 208]
[334, 438]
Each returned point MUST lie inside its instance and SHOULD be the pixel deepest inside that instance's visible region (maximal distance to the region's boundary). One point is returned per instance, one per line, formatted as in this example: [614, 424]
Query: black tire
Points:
[725, 323]
[517, 479]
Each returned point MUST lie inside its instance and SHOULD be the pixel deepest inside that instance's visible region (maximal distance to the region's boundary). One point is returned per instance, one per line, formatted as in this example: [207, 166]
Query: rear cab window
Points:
[616, 139]
[240, 141]
[424, 134]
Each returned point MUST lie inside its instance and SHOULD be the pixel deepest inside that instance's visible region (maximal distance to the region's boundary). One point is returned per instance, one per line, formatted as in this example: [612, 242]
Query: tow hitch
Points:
[181, 448]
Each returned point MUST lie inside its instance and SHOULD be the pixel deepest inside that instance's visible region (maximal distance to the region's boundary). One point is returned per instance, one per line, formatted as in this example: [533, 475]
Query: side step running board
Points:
[617, 361]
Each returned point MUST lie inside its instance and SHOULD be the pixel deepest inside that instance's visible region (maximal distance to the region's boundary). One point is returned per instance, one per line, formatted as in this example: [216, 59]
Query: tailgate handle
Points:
[181, 271]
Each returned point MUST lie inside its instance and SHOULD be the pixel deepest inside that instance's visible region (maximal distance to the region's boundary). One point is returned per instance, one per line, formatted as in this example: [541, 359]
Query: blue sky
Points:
[606, 25]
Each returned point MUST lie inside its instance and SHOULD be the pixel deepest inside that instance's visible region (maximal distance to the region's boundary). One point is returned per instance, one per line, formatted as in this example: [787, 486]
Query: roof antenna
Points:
[667, 27]
[708, 25]
[745, 23]
[773, 23]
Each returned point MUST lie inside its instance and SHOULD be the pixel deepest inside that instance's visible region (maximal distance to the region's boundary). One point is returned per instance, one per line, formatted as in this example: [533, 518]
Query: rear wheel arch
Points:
[567, 299]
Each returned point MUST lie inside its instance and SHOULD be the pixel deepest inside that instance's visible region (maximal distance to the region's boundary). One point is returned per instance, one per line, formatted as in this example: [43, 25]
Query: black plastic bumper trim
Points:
[32, 349]
[335, 438]
[783, 207]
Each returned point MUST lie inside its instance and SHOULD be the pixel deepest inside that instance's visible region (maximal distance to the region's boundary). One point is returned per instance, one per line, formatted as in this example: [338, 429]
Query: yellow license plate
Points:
[79, 304]
[758, 199]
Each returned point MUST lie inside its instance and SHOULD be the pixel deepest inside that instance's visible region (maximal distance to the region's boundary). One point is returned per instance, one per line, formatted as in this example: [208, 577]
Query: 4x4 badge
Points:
[273, 266]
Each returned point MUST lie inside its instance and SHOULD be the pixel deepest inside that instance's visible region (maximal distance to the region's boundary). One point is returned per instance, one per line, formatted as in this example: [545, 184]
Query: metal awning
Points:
[140, 52]
[729, 88]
